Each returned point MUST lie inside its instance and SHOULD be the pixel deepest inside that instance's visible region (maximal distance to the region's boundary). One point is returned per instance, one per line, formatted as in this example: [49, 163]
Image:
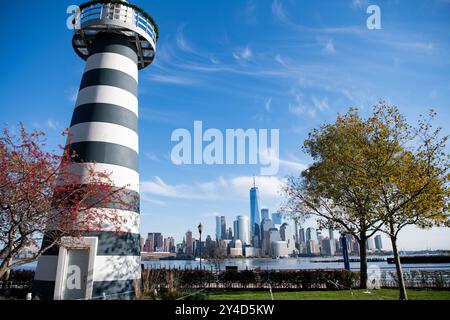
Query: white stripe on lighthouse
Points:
[108, 94]
[102, 219]
[119, 176]
[109, 60]
[113, 268]
[104, 132]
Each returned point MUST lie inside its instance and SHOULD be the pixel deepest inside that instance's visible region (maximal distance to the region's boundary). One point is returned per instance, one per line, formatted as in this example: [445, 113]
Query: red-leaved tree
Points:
[47, 193]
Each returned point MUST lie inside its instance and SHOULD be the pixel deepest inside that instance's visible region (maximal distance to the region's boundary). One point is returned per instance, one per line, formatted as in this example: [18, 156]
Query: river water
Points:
[284, 264]
[277, 264]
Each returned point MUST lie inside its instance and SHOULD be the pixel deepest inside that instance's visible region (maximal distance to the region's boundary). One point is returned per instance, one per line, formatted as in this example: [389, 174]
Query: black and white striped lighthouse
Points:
[116, 39]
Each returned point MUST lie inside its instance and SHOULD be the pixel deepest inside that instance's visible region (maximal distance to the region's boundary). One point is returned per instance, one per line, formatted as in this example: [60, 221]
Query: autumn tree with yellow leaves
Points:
[374, 174]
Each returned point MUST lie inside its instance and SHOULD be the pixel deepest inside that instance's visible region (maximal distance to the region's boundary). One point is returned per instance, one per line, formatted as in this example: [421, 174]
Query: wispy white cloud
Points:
[280, 13]
[268, 104]
[144, 197]
[182, 43]
[219, 189]
[244, 54]
[301, 108]
[152, 156]
[321, 104]
[177, 80]
[358, 4]
[279, 59]
[71, 94]
[52, 124]
[329, 47]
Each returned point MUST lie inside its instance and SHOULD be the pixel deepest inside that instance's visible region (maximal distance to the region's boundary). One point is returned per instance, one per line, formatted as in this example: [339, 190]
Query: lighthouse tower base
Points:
[104, 263]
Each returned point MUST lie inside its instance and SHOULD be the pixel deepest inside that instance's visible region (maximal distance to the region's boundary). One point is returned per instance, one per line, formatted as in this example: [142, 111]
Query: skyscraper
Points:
[236, 230]
[218, 228]
[149, 245]
[331, 233]
[266, 225]
[378, 242]
[223, 228]
[265, 214]
[328, 247]
[288, 236]
[369, 244]
[229, 234]
[255, 217]
[159, 242]
[116, 39]
[311, 234]
[276, 218]
[243, 229]
[169, 244]
[302, 235]
[189, 244]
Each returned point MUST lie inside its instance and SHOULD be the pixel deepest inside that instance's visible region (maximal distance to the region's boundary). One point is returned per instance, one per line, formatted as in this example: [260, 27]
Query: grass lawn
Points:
[382, 294]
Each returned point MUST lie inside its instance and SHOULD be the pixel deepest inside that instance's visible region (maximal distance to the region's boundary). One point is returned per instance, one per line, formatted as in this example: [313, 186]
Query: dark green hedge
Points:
[145, 14]
[305, 279]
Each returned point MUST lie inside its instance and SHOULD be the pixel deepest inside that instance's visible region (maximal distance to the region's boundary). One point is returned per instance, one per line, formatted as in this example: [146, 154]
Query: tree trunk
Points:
[6, 272]
[398, 266]
[363, 261]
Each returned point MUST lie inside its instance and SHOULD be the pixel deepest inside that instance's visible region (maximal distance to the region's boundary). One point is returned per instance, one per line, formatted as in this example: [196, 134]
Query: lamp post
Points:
[200, 229]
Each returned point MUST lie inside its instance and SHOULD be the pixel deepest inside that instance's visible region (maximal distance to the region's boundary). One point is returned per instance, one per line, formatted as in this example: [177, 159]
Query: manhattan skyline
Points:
[247, 64]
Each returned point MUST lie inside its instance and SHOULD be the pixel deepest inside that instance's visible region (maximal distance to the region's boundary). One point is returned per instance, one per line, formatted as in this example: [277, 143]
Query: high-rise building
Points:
[208, 246]
[189, 249]
[218, 228]
[274, 235]
[116, 39]
[266, 225]
[328, 247]
[243, 229]
[236, 230]
[319, 237]
[255, 217]
[312, 247]
[149, 245]
[169, 244]
[159, 242]
[265, 214]
[277, 219]
[229, 234]
[311, 234]
[302, 235]
[378, 242]
[237, 251]
[369, 244]
[279, 249]
[288, 236]
[331, 233]
[223, 228]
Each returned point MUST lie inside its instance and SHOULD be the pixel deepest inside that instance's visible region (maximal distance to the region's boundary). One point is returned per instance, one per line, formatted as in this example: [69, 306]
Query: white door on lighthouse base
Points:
[75, 270]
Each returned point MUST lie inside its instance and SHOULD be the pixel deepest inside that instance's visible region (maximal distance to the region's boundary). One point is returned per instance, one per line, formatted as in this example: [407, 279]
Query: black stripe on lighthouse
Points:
[110, 243]
[105, 112]
[105, 152]
[109, 77]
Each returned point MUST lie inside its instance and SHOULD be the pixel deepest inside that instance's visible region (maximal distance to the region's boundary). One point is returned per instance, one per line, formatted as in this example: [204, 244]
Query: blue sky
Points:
[281, 64]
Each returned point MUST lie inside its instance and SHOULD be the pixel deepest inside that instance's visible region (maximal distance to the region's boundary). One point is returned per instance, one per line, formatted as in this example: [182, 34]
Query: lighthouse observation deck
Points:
[115, 16]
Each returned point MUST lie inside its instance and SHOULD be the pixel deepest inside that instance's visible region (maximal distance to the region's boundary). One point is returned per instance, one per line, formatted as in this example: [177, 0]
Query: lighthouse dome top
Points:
[115, 16]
